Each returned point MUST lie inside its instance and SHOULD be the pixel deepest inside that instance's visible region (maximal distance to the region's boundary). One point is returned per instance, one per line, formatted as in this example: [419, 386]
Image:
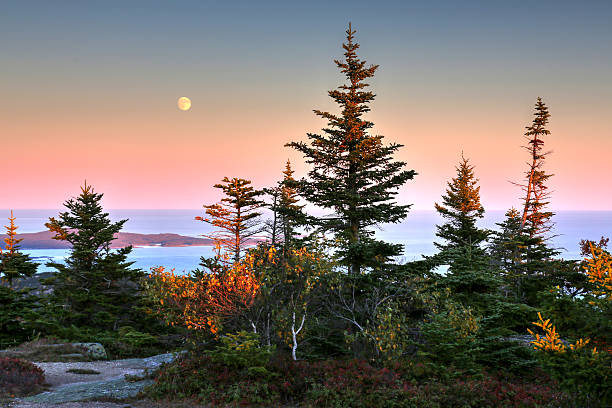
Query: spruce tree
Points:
[461, 208]
[462, 249]
[13, 263]
[353, 172]
[18, 308]
[287, 213]
[236, 216]
[95, 287]
[535, 219]
[507, 252]
[531, 268]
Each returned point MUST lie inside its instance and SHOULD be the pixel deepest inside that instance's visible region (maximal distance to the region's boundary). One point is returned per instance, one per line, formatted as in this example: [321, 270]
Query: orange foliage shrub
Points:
[203, 303]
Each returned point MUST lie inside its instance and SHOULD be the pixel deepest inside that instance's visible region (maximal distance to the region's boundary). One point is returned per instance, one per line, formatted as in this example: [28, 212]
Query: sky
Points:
[88, 90]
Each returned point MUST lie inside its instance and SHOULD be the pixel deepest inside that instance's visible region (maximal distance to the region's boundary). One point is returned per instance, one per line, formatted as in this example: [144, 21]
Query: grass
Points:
[82, 371]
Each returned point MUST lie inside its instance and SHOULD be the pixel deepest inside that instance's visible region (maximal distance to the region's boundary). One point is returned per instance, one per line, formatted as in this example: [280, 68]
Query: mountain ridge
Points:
[44, 240]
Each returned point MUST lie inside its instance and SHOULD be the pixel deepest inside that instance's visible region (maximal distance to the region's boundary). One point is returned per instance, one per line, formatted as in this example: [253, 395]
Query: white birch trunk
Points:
[294, 333]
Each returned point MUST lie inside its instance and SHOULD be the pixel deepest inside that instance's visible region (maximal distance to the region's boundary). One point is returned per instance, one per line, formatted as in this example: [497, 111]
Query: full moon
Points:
[184, 103]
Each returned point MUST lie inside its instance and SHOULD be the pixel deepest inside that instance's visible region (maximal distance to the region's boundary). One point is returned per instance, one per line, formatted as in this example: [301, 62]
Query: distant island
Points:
[44, 240]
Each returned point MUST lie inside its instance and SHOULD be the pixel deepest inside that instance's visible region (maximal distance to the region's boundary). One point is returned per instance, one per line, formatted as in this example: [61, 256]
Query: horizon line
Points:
[200, 209]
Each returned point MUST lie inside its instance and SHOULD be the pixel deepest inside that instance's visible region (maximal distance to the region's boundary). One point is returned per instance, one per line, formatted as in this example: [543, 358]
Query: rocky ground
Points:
[93, 380]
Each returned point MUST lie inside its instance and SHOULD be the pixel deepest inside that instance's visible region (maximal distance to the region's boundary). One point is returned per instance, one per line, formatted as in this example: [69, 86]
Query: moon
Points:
[184, 103]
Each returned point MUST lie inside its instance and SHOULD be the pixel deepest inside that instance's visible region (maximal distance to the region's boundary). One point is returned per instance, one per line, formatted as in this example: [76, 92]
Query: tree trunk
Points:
[294, 334]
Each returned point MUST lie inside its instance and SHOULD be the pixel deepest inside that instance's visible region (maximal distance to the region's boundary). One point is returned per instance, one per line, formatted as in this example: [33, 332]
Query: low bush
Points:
[19, 309]
[586, 376]
[346, 383]
[19, 376]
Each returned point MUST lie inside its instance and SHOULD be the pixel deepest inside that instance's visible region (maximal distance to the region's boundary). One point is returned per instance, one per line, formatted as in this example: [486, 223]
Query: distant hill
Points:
[44, 240]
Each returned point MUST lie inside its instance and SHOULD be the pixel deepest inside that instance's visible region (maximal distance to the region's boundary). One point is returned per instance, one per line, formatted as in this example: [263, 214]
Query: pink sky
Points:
[89, 92]
[170, 159]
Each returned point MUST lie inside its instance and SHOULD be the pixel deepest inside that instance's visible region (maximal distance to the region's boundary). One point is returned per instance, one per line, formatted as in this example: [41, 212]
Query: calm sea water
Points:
[416, 233]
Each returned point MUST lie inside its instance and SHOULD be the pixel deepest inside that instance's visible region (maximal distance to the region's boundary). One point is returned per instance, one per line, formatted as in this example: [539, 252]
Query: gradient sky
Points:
[88, 90]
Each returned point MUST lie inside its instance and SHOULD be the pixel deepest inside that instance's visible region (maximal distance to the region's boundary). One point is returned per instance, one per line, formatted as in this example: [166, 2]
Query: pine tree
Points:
[461, 208]
[521, 247]
[287, 213]
[468, 275]
[235, 215]
[13, 263]
[95, 286]
[18, 308]
[534, 219]
[353, 172]
[507, 251]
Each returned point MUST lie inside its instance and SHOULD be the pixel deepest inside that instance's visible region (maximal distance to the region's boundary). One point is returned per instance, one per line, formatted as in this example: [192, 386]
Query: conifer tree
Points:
[235, 215]
[95, 286]
[462, 249]
[507, 250]
[535, 219]
[353, 172]
[461, 208]
[13, 263]
[287, 213]
[530, 269]
[18, 308]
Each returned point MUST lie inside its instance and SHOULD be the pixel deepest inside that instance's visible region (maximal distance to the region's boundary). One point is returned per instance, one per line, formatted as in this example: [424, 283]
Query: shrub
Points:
[19, 376]
[584, 373]
[486, 391]
[19, 309]
[242, 350]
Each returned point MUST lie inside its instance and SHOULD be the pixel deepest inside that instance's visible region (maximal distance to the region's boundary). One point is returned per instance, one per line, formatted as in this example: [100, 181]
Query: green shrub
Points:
[449, 338]
[19, 309]
[242, 350]
[586, 376]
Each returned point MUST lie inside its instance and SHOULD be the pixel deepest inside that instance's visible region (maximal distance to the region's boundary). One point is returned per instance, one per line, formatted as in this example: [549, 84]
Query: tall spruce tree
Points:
[468, 276]
[535, 219]
[353, 172]
[236, 217]
[95, 287]
[521, 248]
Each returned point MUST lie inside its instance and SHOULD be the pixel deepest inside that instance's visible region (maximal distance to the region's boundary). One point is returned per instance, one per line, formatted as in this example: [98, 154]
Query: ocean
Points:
[416, 233]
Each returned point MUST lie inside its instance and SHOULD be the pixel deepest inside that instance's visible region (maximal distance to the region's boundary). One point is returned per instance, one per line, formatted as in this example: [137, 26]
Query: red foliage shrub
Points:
[354, 383]
[17, 376]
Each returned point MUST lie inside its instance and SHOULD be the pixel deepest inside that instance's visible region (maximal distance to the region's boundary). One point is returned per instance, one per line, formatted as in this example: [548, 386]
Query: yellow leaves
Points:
[579, 344]
[551, 341]
[599, 271]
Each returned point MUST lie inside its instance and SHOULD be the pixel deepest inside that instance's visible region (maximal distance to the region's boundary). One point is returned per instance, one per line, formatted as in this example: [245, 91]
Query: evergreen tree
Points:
[18, 308]
[535, 219]
[461, 208]
[287, 214]
[235, 215]
[13, 263]
[289, 210]
[507, 251]
[468, 275]
[95, 287]
[353, 172]
[521, 248]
